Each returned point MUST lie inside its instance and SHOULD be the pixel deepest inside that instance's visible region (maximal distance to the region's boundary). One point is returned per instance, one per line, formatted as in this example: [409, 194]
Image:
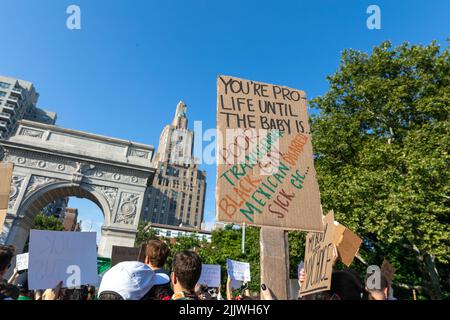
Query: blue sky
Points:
[123, 73]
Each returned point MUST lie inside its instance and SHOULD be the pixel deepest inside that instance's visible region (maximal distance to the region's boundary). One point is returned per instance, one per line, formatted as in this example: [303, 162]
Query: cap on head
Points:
[131, 280]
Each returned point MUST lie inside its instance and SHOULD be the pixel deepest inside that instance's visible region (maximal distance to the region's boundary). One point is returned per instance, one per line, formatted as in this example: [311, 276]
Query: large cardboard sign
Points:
[56, 256]
[347, 243]
[120, 254]
[6, 170]
[210, 275]
[238, 270]
[265, 167]
[319, 256]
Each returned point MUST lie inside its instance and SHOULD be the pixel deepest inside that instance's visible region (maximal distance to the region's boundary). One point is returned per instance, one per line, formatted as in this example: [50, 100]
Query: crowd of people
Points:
[134, 280]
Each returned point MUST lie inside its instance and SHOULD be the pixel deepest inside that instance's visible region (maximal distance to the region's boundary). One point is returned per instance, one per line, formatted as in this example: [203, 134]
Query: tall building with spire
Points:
[177, 194]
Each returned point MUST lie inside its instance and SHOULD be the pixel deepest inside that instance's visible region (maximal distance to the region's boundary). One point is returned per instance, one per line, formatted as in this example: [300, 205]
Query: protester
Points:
[7, 291]
[202, 292]
[22, 284]
[156, 254]
[129, 280]
[345, 285]
[380, 293]
[186, 270]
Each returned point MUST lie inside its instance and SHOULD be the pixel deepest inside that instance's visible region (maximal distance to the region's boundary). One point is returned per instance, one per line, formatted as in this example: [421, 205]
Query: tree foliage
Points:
[381, 141]
[43, 222]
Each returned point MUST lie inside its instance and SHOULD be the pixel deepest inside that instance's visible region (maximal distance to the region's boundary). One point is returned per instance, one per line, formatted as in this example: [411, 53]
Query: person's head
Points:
[376, 295]
[345, 285]
[380, 293]
[91, 293]
[156, 254]
[9, 290]
[186, 270]
[129, 280]
[6, 255]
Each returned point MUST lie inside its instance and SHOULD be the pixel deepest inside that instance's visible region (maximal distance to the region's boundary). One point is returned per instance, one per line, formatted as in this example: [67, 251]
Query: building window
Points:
[4, 85]
[2, 94]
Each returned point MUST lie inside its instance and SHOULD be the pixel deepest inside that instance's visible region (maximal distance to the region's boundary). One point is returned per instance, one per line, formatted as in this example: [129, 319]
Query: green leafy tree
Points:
[381, 141]
[43, 222]
[144, 234]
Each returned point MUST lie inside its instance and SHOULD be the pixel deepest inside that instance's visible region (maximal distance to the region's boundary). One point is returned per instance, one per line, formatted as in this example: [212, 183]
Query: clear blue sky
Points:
[123, 73]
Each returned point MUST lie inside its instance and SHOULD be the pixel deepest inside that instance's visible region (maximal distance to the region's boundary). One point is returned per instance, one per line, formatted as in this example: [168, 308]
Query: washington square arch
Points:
[51, 162]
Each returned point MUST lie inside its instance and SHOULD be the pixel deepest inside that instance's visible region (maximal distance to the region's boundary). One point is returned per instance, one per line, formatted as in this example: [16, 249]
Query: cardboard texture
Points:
[2, 218]
[6, 170]
[265, 167]
[120, 254]
[319, 259]
[347, 243]
[275, 256]
[388, 270]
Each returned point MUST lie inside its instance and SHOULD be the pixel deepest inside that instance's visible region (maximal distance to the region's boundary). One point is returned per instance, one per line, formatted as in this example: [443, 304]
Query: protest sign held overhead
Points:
[210, 275]
[347, 243]
[56, 256]
[319, 258]
[265, 167]
[238, 270]
[22, 261]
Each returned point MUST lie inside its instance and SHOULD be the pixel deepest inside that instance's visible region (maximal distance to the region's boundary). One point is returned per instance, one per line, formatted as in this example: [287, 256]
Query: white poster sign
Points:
[56, 256]
[238, 270]
[22, 261]
[210, 275]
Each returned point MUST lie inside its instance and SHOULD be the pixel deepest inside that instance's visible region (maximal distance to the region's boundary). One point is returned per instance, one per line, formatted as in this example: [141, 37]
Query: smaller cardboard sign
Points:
[2, 218]
[121, 254]
[22, 261]
[319, 258]
[238, 270]
[388, 270]
[346, 242]
[210, 275]
[6, 170]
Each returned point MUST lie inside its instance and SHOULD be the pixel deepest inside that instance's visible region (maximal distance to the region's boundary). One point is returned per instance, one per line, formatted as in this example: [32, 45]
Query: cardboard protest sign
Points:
[347, 243]
[22, 261]
[210, 275]
[120, 254]
[238, 270]
[388, 270]
[56, 256]
[265, 167]
[6, 170]
[319, 256]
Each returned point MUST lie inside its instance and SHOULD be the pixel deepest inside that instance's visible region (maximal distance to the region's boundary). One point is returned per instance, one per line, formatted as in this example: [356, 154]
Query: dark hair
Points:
[346, 285]
[9, 290]
[6, 255]
[187, 266]
[157, 252]
[109, 295]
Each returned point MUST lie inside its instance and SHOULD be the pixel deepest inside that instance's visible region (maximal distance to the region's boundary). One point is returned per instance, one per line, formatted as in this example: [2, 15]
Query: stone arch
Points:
[37, 199]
